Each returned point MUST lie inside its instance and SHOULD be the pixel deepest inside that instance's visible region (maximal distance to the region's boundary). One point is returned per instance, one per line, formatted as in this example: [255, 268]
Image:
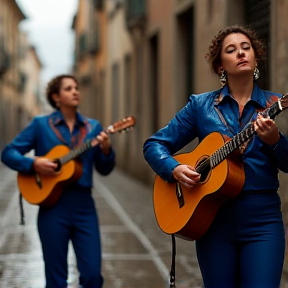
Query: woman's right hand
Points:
[44, 166]
[186, 175]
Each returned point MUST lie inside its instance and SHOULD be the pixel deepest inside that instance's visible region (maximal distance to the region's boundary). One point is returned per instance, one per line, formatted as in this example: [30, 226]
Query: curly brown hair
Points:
[214, 53]
[53, 87]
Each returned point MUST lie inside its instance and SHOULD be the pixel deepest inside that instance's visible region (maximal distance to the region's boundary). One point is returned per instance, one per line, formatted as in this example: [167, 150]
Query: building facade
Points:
[151, 57]
[101, 71]
[10, 16]
[19, 69]
[30, 78]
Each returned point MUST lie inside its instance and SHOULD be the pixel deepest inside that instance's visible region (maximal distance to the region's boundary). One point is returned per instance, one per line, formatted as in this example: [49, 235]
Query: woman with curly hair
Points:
[244, 245]
[73, 217]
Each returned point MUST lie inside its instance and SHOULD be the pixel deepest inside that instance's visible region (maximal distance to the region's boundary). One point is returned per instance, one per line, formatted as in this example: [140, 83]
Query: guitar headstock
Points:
[280, 105]
[122, 125]
[284, 101]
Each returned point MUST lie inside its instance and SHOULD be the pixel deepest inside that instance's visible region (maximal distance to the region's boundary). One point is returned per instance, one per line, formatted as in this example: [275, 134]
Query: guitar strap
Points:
[22, 216]
[217, 100]
[75, 140]
[172, 269]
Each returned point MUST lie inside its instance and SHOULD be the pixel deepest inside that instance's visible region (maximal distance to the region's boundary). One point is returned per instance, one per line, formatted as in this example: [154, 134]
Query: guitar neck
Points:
[239, 139]
[234, 143]
[76, 152]
[81, 149]
[119, 126]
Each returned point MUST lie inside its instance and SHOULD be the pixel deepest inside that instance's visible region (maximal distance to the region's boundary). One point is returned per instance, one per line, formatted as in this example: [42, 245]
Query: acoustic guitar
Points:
[188, 212]
[45, 190]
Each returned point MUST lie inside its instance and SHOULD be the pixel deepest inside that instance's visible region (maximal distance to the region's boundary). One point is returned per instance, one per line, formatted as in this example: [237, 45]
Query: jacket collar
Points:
[58, 118]
[257, 95]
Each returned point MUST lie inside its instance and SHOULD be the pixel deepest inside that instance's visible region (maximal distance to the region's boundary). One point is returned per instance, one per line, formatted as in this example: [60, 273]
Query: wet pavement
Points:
[136, 254]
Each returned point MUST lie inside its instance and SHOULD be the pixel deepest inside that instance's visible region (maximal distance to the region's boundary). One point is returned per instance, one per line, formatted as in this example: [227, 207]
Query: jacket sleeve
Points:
[159, 148]
[281, 153]
[104, 164]
[280, 150]
[13, 155]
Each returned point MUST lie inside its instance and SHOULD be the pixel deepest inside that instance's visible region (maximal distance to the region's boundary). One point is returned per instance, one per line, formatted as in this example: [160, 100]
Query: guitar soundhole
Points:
[203, 167]
[59, 166]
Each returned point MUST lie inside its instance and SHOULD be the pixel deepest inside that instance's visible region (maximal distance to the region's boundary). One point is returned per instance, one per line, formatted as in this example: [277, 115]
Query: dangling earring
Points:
[223, 78]
[256, 73]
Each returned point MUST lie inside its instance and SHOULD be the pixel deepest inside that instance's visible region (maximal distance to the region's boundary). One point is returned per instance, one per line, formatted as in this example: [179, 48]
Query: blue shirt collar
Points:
[257, 95]
[58, 118]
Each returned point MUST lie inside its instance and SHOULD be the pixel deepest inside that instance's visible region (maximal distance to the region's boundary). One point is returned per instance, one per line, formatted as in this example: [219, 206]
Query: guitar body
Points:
[192, 219]
[52, 186]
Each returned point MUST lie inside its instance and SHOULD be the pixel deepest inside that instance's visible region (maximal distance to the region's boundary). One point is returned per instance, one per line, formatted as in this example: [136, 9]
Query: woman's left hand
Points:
[104, 142]
[267, 130]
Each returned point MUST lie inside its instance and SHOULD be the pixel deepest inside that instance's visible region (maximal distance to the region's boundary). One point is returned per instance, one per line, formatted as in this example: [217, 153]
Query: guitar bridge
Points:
[38, 181]
[179, 195]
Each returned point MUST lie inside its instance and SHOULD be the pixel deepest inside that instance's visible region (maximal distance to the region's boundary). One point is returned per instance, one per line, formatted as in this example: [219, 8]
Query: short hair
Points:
[214, 52]
[53, 87]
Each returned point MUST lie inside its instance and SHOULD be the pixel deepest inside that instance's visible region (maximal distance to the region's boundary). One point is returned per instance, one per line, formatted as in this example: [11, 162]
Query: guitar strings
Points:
[238, 140]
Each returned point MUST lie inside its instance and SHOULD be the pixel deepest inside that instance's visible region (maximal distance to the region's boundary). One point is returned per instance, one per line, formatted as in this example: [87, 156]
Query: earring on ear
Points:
[57, 104]
[223, 78]
[256, 73]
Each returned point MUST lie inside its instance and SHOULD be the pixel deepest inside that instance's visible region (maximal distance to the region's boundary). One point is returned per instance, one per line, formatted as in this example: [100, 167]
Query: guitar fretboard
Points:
[119, 126]
[235, 143]
[238, 140]
[76, 152]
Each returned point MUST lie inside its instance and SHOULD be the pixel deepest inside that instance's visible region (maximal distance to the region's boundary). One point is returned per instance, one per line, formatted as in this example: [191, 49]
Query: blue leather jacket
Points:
[45, 132]
[201, 116]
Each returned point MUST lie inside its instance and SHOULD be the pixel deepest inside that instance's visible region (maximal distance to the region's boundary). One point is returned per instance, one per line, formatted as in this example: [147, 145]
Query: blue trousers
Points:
[72, 218]
[244, 247]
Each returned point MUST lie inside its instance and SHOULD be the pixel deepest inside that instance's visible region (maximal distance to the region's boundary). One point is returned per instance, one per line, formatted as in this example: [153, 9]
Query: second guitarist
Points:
[74, 216]
[244, 246]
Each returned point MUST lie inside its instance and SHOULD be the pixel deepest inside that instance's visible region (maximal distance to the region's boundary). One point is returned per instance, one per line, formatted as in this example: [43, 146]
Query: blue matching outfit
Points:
[244, 247]
[74, 216]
